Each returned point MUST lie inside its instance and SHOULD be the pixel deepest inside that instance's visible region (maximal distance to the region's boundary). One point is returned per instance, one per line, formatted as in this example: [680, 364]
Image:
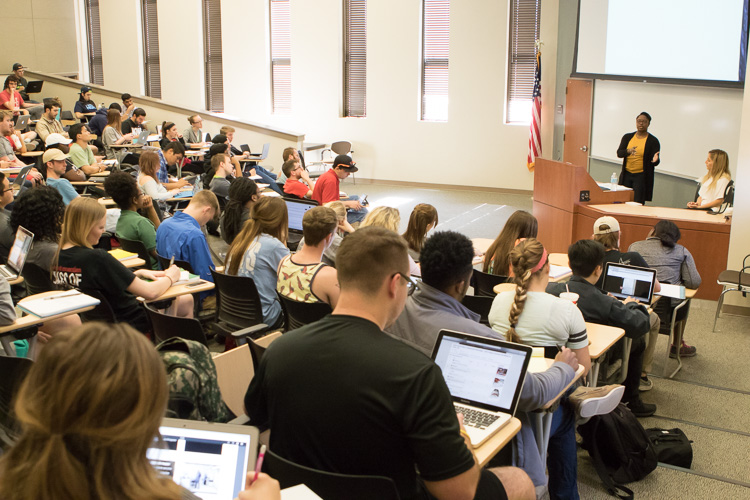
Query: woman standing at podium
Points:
[714, 183]
[640, 153]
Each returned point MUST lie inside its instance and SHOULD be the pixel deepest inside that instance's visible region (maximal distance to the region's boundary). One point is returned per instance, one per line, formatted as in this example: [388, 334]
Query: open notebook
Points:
[59, 303]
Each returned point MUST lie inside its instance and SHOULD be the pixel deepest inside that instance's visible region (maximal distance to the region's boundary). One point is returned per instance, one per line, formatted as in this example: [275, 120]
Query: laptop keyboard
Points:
[476, 418]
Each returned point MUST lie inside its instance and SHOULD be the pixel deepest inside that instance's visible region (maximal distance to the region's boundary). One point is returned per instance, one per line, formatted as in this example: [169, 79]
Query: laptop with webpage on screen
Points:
[211, 460]
[485, 377]
[17, 255]
[625, 281]
[296, 210]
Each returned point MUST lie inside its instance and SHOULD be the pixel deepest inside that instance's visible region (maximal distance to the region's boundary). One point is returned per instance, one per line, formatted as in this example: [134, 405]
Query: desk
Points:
[133, 262]
[101, 174]
[177, 290]
[107, 202]
[494, 444]
[601, 338]
[543, 416]
[13, 170]
[481, 245]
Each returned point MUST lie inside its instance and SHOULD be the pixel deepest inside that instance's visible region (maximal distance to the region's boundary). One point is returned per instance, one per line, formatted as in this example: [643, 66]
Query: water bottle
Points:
[613, 181]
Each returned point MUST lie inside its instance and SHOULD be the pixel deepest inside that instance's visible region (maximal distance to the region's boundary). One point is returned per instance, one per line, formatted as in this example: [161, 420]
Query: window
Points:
[212, 55]
[96, 71]
[435, 45]
[524, 32]
[151, 68]
[281, 56]
[355, 58]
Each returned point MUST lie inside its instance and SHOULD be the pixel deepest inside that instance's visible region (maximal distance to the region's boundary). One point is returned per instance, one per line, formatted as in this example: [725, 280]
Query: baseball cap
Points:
[53, 154]
[17, 66]
[614, 226]
[56, 139]
[346, 162]
[85, 89]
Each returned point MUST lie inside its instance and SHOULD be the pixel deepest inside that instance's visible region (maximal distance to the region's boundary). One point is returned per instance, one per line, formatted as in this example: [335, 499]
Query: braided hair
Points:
[526, 262]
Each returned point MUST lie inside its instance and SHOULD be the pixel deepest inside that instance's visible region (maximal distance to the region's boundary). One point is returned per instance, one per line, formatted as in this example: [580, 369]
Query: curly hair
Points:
[241, 191]
[446, 259]
[41, 211]
[121, 186]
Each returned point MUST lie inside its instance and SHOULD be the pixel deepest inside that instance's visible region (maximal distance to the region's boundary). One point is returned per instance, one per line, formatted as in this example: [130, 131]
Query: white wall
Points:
[41, 35]
[122, 45]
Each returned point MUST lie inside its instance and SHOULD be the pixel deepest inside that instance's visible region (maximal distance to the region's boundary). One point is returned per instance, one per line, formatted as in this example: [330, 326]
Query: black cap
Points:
[345, 162]
[85, 89]
[17, 66]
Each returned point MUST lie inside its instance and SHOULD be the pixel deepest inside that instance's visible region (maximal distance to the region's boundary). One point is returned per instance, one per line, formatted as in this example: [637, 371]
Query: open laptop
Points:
[17, 185]
[22, 122]
[296, 210]
[34, 87]
[17, 255]
[142, 138]
[623, 281]
[485, 377]
[264, 154]
[211, 460]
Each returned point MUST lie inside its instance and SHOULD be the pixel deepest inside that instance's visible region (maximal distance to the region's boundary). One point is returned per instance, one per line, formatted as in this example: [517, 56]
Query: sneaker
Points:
[645, 384]
[686, 351]
[641, 409]
[590, 401]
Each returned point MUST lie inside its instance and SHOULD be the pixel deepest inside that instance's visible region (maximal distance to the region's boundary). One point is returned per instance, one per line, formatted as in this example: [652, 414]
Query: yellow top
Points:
[634, 163]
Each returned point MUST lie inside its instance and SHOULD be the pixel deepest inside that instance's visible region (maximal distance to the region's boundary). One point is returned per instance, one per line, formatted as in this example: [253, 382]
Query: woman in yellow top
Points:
[714, 183]
[640, 153]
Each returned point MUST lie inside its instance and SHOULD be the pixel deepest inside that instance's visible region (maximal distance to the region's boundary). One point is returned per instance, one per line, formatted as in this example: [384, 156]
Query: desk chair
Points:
[37, 279]
[732, 281]
[12, 373]
[674, 326]
[238, 309]
[480, 305]
[298, 314]
[330, 485]
[164, 326]
[164, 263]
[485, 282]
[136, 247]
[102, 312]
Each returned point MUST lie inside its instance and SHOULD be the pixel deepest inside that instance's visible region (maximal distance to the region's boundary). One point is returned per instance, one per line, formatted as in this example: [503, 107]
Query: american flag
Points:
[535, 142]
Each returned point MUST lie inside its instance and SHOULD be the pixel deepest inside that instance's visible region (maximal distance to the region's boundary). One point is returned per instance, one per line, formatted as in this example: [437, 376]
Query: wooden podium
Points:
[558, 189]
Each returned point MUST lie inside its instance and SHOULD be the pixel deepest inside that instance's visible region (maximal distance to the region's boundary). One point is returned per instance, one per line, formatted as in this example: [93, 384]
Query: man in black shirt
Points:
[341, 395]
[136, 122]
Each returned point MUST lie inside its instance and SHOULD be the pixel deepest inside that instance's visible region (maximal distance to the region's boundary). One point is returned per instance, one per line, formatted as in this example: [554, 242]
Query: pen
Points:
[62, 296]
[171, 262]
[259, 463]
[559, 349]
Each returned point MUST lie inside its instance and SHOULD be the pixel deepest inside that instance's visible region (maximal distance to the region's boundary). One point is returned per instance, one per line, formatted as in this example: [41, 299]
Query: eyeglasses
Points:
[410, 284]
[6, 190]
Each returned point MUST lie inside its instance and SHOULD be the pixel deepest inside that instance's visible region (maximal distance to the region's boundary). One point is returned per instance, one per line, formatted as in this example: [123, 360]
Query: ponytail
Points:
[527, 259]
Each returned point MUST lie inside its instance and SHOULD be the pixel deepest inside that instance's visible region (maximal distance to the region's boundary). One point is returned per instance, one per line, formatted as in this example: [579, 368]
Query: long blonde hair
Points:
[268, 215]
[89, 409]
[421, 217]
[387, 217]
[523, 259]
[719, 169]
[80, 216]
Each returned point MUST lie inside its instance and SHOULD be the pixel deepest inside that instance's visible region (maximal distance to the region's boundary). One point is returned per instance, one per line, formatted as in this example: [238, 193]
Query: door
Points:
[577, 138]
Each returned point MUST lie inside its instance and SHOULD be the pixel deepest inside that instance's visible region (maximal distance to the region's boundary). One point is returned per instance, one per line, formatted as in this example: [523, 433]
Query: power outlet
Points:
[585, 196]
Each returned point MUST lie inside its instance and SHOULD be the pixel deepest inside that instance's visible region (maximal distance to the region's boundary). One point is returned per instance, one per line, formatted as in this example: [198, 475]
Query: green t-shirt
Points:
[80, 156]
[133, 226]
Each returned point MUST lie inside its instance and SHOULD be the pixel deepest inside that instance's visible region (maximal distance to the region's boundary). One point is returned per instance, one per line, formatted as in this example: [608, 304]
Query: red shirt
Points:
[5, 97]
[326, 188]
[296, 187]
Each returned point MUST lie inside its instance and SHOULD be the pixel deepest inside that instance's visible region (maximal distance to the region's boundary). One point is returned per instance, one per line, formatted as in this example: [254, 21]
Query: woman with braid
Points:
[530, 315]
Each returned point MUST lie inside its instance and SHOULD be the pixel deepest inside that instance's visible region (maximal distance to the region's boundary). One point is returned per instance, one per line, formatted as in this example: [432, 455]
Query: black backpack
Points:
[619, 448]
[672, 446]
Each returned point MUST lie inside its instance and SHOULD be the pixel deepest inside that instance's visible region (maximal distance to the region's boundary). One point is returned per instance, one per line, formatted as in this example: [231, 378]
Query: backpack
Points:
[672, 446]
[619, 448]
[191, 375]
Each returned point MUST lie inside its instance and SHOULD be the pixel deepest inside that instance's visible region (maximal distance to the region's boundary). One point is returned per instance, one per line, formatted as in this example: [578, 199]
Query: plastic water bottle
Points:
[613, 181]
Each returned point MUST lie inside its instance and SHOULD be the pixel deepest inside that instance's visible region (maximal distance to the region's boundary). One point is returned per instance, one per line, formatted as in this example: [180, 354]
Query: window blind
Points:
[435, 50]
[151, 67]
[524, 32]
[96, 69]
[212, 55]
[281, 56]
[355, 58]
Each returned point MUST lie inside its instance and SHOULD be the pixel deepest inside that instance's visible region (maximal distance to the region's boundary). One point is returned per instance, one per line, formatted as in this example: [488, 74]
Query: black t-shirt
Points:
[618, 257]
[128, 126]
[342, 396]
[95, 269]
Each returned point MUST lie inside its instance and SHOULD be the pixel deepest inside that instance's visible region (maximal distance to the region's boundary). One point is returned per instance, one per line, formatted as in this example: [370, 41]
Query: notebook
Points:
[296, 210]
[211, 460]
[485, 377]
[623, 281]
[59, 303]
[17, 255]
[120, 254]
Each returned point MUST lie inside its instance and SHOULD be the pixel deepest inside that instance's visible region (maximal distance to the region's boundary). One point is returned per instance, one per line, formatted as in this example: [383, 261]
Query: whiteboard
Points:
[688, 121]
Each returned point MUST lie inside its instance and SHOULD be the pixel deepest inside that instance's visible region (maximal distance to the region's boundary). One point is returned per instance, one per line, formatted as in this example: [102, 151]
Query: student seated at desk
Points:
[112, 134]
[48, 123]
[520, 225]
[89, 409]
[714, 183]
[327, 188]
[148, 179]
[81, 154]
[7, 234]
[134, 124]
[303, 276]
[169, 134]
[8, 158]
[194, 136]
[329, 256]
[131, 225]
[72, 173]
[222, 178]
[21, 143]
[423, 218]
[675, 265]
[80, 265]
[243, 193]
[99, 121]
[55, 162]
[586, 259]
[257, 251]
[85, 107]
[389, 218]
[298, 183]
[12, 100]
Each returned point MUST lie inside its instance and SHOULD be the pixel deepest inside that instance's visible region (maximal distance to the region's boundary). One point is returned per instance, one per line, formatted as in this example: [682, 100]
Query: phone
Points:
[197, 283]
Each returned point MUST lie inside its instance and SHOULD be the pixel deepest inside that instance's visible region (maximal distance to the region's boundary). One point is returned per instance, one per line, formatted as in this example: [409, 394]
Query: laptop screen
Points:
[624, 281]
[296, 210]
[20, 249]
[210, 460]
[482, 372]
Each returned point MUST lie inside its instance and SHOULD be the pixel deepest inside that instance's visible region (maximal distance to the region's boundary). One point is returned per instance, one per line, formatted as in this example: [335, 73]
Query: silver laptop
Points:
[17, 255]
[485, 377]
[211, 460]
[625, 281]
[142, 137]
[22, 122]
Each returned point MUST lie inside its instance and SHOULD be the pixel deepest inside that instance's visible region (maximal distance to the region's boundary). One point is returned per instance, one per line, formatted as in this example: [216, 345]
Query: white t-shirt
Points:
[546, 320]
[714, 194]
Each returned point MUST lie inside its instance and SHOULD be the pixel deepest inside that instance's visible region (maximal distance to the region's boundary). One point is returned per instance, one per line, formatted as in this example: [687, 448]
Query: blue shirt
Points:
[163, 173]
[182, 237]
[65, 188]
